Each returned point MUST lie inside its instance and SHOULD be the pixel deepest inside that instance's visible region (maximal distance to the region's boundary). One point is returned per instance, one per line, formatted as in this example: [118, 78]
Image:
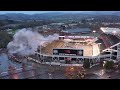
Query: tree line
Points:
[5, 38]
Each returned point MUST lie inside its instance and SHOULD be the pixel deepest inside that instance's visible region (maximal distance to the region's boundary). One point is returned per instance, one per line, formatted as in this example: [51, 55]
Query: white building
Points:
[108, 30]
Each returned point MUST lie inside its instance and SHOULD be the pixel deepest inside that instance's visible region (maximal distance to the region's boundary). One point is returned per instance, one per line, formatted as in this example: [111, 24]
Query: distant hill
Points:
[20, 16]
[57, 15]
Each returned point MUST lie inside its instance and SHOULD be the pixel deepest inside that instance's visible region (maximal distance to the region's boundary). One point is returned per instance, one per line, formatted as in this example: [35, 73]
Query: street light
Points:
[50, 75]
[114, 32]
[94, 32]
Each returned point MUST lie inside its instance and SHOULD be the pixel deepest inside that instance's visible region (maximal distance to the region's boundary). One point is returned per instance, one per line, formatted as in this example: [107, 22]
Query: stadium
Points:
[74, 48]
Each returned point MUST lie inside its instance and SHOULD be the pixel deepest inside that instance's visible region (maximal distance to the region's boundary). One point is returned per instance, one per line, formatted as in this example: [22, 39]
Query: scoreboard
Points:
[68, 52]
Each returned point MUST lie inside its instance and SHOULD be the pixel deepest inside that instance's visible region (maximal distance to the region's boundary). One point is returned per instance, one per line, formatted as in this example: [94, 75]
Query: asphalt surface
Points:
[57, 72]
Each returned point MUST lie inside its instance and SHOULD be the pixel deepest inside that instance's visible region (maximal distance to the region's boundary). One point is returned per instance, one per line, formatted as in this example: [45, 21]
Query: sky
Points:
[37, 12]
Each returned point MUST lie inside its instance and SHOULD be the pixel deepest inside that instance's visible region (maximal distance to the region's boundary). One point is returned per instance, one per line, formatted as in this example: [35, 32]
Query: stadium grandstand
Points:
[111, 39]
[110, 36]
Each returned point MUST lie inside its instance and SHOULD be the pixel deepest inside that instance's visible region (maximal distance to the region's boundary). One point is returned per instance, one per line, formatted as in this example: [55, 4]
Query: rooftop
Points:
[108, 30]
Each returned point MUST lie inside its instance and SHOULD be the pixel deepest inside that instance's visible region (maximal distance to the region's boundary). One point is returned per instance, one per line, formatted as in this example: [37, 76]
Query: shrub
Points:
[109, 65]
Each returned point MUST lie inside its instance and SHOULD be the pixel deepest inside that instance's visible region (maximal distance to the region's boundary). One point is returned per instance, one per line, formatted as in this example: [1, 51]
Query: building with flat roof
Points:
[108, 30]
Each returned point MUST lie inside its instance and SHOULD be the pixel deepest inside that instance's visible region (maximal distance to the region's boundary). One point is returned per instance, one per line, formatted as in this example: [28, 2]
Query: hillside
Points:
[56, 15]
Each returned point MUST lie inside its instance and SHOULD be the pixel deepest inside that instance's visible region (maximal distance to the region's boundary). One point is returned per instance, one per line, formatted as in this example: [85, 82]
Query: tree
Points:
[5, 38]
[109, 65]
[83, 21]
[86, 64]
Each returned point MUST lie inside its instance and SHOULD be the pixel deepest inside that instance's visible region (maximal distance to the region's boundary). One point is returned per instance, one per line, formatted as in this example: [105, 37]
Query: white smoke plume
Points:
[25, 42]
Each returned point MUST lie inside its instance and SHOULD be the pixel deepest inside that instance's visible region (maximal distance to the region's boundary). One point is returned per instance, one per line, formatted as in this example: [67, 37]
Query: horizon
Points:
[41, 12]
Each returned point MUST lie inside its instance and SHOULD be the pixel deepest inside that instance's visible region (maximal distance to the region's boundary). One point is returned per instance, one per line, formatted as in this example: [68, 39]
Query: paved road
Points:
[99, 73]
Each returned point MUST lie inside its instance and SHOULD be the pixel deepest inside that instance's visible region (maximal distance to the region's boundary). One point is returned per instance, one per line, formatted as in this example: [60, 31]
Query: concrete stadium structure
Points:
[91, 50]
